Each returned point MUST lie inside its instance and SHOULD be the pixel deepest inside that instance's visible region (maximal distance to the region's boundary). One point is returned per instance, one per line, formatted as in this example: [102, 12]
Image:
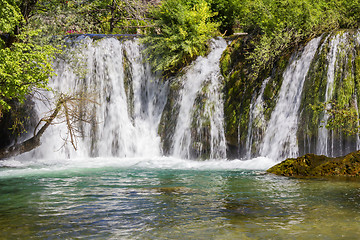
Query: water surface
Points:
[168, 198]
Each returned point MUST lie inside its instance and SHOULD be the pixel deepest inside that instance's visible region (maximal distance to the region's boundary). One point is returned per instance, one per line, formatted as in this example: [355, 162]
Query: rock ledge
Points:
[311, 165]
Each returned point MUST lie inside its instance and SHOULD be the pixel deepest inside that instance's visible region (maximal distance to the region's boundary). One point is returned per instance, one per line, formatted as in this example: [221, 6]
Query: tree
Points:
[24, 65]
[278, 25]
[182, 31]
[10, 16]
[226, 14]
[93, 16]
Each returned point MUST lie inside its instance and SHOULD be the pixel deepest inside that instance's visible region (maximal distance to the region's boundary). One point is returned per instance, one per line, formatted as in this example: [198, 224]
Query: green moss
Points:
[225, 62]
[128, 84]
[169, 116]
[345, 77]
[357, 73]
[313, 93]
[311, 165]
[241, 85]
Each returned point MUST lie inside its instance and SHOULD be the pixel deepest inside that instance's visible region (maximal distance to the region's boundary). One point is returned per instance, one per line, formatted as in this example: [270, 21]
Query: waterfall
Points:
[322, 142]
[140, 114]
[256, 117]
[203, 75]
[280, 137]
[130, 101]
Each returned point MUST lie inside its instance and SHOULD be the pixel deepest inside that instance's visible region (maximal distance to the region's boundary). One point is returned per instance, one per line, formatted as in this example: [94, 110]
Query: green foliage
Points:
[24, 67]
[348, 10]
[344, 118]
[282, 24]
[96, 16]
[9, 15]
[226, 14]
[185, 29]
[9, 18]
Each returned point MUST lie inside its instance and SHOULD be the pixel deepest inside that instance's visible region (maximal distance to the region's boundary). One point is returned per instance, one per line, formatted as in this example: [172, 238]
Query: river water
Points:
[169, 198]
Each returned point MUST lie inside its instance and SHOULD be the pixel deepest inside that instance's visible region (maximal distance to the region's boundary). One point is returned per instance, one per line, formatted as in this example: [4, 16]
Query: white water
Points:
[124, 128]
[203, 71]
[127, 118]
[322, 146]
[19, 168]
[127, 126]
[125, 135]
[280, 137]
[256, 116]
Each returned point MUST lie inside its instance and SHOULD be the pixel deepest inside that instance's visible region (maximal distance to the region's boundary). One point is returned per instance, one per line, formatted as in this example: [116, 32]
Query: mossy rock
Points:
[240, 86]
[311, 165]
[170, 114]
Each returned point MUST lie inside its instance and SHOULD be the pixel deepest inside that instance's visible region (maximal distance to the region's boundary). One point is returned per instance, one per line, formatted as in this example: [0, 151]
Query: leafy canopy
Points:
[278, 25]
[227, 11]
[10, 16]
[184, 30]
[95, 16]
[24, 65]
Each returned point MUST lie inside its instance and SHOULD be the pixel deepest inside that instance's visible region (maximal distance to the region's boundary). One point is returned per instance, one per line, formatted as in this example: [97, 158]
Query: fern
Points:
[185, 29]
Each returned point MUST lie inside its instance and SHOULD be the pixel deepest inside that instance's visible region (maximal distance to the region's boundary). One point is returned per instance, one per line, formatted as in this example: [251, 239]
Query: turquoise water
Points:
[170, 199]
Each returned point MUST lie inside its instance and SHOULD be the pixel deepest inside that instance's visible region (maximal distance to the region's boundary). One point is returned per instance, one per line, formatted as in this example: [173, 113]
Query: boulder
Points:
[311, 165]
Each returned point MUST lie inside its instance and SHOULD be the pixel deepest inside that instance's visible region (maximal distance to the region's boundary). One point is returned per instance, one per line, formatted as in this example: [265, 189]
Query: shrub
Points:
[183, 33]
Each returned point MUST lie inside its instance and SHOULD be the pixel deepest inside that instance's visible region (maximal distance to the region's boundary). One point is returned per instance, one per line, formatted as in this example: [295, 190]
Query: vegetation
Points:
[95, 16]
[181, 32]
[66, 110]
[278, 25]
[311, 165]
[345, 118]
[24, 65]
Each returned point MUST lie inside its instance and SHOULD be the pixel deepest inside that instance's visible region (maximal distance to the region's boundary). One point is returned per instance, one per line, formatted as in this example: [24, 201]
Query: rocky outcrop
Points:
[311, 165]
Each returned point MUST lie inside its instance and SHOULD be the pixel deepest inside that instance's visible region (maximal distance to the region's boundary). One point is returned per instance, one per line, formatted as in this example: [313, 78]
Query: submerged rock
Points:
[311, 165]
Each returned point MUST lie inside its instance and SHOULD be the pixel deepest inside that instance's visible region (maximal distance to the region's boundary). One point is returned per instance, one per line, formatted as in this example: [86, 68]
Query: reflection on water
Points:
[130, 203]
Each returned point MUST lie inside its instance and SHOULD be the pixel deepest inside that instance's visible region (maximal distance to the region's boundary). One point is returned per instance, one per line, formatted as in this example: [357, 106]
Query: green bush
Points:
[282, 24]
[24, 65]
[227, 11]
[182, 31]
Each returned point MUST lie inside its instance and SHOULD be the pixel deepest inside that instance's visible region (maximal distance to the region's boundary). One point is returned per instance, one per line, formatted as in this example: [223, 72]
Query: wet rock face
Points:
[240, 87]
[311, 165]
[18, 122]
[333, 75]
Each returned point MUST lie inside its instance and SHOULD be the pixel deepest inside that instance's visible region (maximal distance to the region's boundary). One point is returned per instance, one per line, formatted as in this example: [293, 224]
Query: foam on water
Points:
[23, 168]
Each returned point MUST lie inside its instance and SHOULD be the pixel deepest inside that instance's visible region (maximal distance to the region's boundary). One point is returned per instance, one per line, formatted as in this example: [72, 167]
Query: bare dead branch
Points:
[66, 110]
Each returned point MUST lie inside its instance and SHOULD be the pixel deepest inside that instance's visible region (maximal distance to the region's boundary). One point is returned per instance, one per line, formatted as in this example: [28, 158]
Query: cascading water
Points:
[257, 118]
[280, 137]
[323, 133]
[130, 101]
[203, 75]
